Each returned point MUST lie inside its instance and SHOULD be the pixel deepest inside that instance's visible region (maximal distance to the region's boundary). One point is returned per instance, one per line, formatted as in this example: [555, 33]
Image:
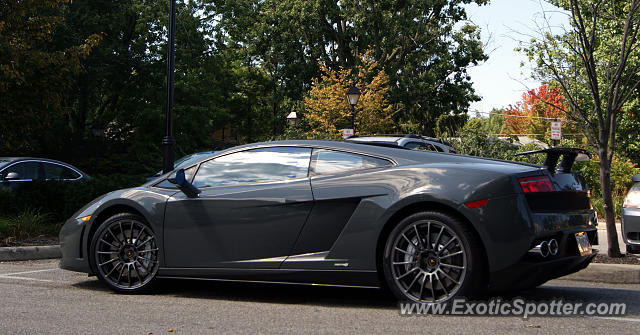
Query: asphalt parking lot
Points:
[38, 297]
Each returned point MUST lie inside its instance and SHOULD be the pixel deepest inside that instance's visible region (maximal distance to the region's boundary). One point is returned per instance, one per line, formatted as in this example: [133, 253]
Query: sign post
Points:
[556, 131]
[346, 133]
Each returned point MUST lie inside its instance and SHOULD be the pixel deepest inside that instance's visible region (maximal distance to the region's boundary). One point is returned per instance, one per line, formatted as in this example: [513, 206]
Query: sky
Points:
[501, 80]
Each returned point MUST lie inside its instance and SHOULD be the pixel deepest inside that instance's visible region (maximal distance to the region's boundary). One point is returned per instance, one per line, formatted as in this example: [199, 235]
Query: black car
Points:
[430, 226]
[17, 170]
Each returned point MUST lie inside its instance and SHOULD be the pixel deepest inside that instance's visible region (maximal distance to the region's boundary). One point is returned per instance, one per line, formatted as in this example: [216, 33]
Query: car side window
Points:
[331, 162]
[420, 146]
[56, 171]
[25, 170]
[254, 166]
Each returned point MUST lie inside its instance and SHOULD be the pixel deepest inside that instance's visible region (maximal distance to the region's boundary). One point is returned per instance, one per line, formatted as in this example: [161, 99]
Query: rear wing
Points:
[569, 156]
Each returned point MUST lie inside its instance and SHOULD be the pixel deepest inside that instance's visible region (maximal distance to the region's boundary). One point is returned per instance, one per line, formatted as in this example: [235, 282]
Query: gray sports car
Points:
[429, 226]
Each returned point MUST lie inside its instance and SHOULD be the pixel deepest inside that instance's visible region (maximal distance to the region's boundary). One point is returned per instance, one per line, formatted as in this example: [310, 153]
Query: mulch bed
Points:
[626, 259]
[40, 240]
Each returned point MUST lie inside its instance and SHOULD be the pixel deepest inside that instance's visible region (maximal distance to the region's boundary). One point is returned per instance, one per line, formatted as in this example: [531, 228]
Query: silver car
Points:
[631, 218]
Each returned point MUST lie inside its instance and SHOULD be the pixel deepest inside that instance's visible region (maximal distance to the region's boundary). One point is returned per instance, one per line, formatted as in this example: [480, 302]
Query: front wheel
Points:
[124, 253]
[432, 257]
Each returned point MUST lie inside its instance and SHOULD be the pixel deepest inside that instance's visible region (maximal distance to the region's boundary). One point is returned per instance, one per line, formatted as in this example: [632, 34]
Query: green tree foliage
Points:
[627, 134]
[422, 45]
[33, 71]
[327, 111]
[477, 138]
[115, 107]
[242, 65]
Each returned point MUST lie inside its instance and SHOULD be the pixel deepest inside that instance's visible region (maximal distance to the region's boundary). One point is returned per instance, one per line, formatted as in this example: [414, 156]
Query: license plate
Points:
[583, 244]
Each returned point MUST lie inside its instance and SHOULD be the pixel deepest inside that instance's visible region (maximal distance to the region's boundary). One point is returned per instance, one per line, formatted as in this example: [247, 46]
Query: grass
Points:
[28, 224]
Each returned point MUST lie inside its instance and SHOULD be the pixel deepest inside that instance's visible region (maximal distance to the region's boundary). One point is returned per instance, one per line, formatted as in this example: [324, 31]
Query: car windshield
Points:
[187, 160]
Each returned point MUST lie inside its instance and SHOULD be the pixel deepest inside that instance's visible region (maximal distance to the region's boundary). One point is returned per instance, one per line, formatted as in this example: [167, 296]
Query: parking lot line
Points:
[27, 278]
[15, 275]
[26, 272]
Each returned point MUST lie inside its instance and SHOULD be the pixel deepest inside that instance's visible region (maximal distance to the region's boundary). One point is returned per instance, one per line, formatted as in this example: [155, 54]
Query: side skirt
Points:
[367, 279]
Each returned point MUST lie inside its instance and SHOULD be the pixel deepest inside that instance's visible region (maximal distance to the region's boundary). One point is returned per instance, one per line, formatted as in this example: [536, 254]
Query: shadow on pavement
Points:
[362, 297]
[264, 292]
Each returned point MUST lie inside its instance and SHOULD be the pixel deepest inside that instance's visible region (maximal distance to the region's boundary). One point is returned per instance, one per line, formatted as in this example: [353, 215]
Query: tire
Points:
[633, 249]
[124, 254]
[432, 257]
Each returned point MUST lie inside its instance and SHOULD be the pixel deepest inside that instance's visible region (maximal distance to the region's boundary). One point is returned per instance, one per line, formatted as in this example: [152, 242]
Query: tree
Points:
[33, 71]
[117, 102]
[596, 66]
[327, 111]
[424, 47]
[627, 134]
[532, 115]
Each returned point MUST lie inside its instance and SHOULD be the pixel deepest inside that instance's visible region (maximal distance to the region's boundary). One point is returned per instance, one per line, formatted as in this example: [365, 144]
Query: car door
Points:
[340, 180]
[27, 171]
[252, 207]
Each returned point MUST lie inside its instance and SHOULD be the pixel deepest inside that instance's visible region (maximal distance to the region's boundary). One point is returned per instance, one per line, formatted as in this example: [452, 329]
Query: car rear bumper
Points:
[631, 226]
[529, 274]
[533, 270]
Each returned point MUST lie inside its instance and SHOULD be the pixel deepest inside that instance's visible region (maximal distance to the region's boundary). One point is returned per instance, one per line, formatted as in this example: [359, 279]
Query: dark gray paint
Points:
[243, 230]
[226, 225]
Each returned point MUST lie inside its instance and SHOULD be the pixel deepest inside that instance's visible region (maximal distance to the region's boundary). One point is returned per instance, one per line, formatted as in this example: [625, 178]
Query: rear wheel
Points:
[124, 253]
[432, 257]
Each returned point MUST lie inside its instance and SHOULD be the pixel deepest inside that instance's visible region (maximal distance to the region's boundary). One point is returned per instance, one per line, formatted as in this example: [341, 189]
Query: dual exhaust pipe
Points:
[546, 248]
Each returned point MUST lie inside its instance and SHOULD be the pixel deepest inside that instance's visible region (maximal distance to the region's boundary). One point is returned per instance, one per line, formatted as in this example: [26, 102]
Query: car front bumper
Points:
[631, 226]
[74, 256]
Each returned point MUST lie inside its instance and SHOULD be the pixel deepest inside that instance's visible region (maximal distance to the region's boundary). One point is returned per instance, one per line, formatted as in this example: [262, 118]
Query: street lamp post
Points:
[167, 141]
[353, 95]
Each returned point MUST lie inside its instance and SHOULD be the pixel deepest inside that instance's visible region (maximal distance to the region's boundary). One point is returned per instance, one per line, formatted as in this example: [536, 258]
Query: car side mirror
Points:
[180, 180]
[636, 178]
[11, 176]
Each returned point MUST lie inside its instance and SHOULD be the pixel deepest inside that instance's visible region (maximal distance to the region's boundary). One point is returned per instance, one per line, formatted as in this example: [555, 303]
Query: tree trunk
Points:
[605, 182]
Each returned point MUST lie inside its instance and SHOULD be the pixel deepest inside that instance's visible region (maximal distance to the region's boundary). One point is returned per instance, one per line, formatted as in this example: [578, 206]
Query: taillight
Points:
[535, 184]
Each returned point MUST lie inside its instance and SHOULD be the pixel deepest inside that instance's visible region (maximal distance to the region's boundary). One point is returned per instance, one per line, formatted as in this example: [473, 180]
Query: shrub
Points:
[26, 224]
[621, 172]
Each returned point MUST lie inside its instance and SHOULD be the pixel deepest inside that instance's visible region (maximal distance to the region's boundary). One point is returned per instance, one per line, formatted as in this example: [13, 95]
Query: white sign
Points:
[347, 133]
[556, 130]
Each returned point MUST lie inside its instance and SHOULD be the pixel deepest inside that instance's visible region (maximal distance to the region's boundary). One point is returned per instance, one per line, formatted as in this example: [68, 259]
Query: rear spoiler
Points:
[569, 155]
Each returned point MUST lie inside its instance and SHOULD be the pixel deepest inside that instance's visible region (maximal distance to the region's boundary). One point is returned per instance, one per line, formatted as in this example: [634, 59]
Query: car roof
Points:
[397, 153]
[14, 159]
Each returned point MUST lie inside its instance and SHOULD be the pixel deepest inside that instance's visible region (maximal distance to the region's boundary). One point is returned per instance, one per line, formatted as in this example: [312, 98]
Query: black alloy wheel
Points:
[432, 257]
[124, 253]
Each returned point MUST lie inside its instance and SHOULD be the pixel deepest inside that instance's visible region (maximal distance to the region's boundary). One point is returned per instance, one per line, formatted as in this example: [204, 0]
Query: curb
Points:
[607, 273]
[11, 254]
